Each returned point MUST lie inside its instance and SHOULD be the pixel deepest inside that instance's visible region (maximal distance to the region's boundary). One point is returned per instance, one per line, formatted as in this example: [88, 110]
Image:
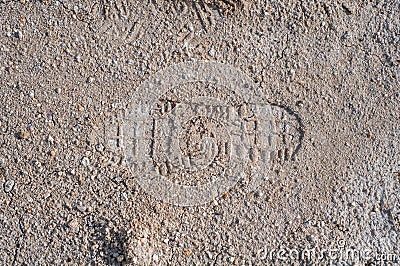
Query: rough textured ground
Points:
[67, 68]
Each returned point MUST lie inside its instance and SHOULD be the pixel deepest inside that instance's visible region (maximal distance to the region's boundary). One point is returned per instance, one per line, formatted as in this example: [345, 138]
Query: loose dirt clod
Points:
[23, 134]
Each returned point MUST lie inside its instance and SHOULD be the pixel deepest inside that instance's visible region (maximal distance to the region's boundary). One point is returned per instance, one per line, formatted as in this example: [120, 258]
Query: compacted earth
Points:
[327, 71]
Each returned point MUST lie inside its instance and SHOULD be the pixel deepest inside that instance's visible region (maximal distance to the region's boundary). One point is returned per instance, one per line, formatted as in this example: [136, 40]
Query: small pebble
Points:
[311, 238]
[9, 185]
[85, 161]
[32, 94]
[155, 257]
[347, 36]
[300, 103]
[100, 147]
[211, 52]
[73, 224]
[124, 196]
[81, 208]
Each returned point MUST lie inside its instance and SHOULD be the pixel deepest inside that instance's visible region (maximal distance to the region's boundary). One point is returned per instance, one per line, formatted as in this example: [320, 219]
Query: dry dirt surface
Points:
[328, 73]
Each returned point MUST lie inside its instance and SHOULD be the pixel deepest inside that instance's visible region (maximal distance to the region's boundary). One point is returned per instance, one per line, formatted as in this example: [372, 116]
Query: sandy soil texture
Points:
[324, 147]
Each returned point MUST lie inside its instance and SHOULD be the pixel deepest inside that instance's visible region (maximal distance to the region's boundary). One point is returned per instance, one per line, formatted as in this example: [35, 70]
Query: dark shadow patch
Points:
[108, 244]
[347, 9]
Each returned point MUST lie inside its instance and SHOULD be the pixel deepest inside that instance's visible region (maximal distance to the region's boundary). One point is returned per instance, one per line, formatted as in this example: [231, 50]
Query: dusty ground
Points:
[68, 68]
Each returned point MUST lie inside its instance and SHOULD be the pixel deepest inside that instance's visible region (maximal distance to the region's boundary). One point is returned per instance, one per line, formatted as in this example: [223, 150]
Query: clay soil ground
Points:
[69, 68]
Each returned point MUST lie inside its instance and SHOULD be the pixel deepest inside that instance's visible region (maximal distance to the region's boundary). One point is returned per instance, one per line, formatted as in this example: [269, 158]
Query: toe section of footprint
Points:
[289, 134]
